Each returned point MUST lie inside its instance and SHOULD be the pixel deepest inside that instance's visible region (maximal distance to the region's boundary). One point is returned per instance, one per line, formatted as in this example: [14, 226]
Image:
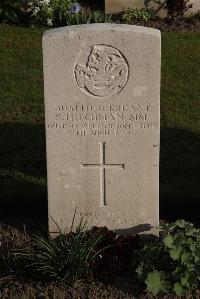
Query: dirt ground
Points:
[12, 288]
[184, 25]
[14, 284]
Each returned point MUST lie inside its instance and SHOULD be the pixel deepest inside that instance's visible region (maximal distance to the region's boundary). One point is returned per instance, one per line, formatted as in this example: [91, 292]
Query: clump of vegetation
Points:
[84, 17]
[50, 13]
[54, 13]
[174, 8]
[116, 257]
[138, 14]
[172, 263]
[66, 257]
[81, 254]
[168, 264]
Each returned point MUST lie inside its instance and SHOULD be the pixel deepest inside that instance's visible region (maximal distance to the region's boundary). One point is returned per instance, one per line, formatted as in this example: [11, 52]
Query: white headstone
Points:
[102, 89]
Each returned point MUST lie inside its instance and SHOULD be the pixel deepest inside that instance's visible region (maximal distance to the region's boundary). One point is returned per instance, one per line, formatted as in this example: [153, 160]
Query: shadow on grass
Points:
[23, 191]
[179, 174]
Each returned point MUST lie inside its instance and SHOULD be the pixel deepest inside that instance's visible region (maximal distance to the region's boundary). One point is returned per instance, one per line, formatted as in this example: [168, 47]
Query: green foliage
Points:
[61, 13]
[156, 282]
[60, 10]
[84, 17]
[66, 257]
[138, 14]
[99, 17]
[49, 13]
[172, 263]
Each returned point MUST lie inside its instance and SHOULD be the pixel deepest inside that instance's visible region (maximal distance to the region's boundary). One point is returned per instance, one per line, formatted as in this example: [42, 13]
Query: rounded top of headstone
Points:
[102, 26]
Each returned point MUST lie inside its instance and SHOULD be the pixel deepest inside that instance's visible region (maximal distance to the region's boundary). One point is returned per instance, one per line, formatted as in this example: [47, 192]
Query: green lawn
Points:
[22, 136]
[180, 125]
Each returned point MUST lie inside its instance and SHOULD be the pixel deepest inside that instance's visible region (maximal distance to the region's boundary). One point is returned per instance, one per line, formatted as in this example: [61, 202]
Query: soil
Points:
[15, 283]
[190, 24]
[184, 25]
[16, 288]
[166, 25]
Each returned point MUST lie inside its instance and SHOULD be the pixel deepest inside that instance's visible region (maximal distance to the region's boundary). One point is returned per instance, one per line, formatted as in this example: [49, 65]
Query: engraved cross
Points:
[102, 166]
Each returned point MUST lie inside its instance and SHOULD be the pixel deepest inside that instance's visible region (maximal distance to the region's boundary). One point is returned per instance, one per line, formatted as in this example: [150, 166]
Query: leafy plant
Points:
[138, 14]
[52, 12]
[84, 17]
[99, 17]
[156, 282]
[117, 254]
[64, 12]
[172, 262]
[66, 257]
[61, 10]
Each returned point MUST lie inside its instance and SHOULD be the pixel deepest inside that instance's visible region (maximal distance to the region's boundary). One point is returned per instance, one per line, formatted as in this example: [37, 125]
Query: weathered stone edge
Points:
[101, 26]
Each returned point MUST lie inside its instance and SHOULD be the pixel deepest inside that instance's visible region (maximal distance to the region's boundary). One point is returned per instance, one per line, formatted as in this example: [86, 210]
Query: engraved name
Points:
[103, 119]
[106, 107]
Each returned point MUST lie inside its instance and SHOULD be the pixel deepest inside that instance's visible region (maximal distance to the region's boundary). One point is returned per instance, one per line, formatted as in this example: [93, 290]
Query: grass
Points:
[22, 135]
[180, 125]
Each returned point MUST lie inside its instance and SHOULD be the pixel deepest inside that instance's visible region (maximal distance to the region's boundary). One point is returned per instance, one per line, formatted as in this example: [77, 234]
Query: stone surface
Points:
[102, 88]
[115, 6]
[195, 8]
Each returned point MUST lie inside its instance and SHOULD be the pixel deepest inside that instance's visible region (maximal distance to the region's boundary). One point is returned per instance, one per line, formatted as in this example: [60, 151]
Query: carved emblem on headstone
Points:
[105, 73]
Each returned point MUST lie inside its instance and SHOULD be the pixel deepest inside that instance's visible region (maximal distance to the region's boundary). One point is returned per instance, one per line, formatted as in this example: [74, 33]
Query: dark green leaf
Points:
[179, 238]
[155, 282]
[168, 241]
[175, 252]
[178, 289]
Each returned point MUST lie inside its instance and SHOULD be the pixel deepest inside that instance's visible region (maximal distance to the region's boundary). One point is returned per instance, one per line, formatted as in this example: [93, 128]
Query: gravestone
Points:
[116, 6]
[102, 88]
